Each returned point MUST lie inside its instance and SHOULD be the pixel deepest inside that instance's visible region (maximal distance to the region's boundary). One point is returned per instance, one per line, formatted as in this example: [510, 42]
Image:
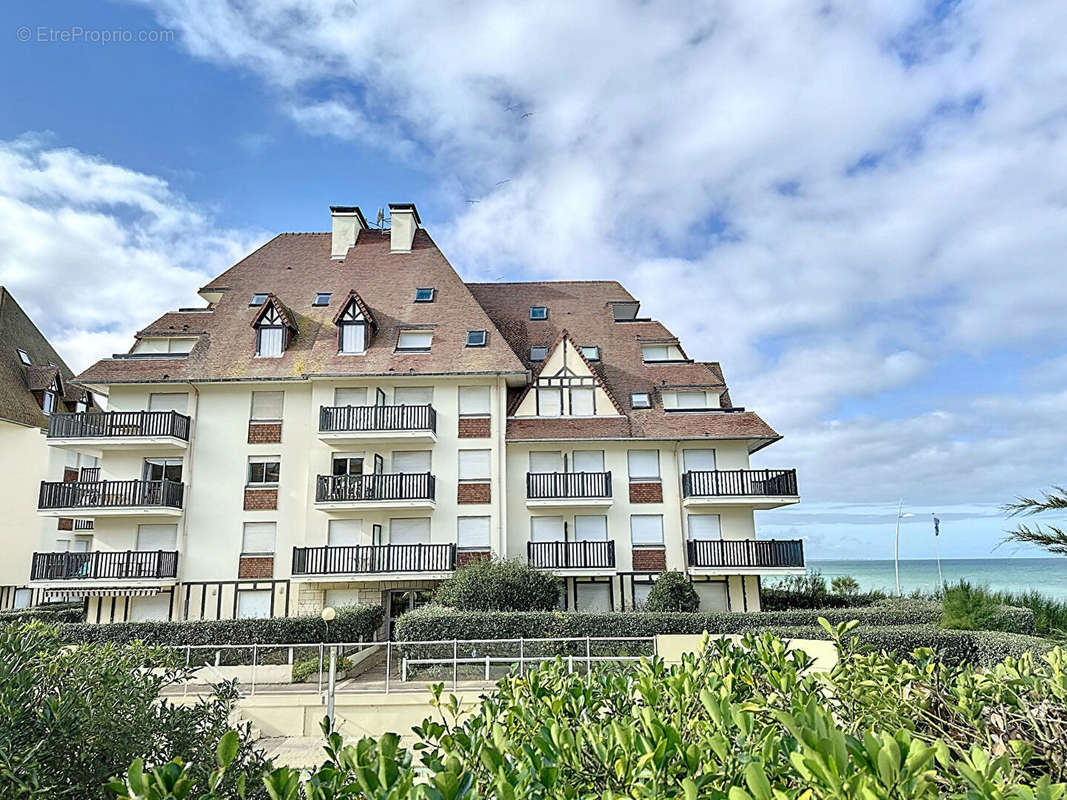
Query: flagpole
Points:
[896, 546]
[937, 551]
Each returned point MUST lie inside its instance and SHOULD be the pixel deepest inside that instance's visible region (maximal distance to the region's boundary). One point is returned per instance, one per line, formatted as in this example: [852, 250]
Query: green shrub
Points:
[969, 608]
[672, 591]
[845, 585]
[48, 613]
[809, 591]
[352, 624]
[305, 668]
[499, 585]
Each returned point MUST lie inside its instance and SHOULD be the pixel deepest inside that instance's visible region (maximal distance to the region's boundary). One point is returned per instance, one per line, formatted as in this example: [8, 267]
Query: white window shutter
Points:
[410, 461]
[643, 464]
[474, 400]
[473, 532]
[409, 531]
[474, 465]
[591, 528]
[541, 461]
[646, 529]
[546, 529]
[704, 526]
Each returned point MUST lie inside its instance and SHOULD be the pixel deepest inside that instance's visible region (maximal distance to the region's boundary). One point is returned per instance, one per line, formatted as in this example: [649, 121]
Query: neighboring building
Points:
[35, 385]
[347, 420]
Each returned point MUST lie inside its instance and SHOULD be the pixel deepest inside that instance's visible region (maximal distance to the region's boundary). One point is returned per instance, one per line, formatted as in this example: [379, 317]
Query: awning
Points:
[99, 591]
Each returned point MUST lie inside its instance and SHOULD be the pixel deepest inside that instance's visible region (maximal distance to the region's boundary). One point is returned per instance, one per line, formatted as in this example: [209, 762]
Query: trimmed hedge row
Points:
[352, 624]
[50, 613]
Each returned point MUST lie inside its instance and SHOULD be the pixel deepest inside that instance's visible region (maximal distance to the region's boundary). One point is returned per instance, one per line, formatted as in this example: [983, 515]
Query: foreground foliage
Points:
[499, 585]
[672, 591]
[72, 716]
[738, 723]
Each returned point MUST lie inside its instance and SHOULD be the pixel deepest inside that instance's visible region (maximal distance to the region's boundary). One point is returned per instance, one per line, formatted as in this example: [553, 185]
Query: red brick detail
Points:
[255, 567]
[264, 432]
[473, 493]
[465, 557]
[261, 499]
[65, 524]
[650, 559]
[646, 492]
[69, 474]
[474, 427]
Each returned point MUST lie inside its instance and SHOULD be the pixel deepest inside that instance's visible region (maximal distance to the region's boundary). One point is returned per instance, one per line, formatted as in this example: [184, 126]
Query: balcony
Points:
[383, 490]
[423, 560]
[545, 489]
[341, 424]
[746, 556]
[110, 498]
[135, 565]
[754, 488]
[582, 555]
[111, 430]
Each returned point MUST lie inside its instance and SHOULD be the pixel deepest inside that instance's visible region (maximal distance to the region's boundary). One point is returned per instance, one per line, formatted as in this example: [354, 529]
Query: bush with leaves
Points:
[672, 591]
[73, 716]
[499, 585]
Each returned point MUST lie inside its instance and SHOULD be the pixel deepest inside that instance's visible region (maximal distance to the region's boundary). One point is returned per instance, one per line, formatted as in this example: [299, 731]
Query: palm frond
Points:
[1055, 500]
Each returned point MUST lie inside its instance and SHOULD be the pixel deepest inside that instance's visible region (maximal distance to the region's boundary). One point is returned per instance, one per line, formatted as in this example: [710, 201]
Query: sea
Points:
[1046, 575]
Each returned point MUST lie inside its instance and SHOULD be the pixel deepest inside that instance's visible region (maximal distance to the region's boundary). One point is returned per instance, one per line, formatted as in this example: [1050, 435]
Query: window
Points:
[168, 401]
[151, 537]
[704, 526]
[474, 465]
[593, 598]
[254, 604]
[24, 357]
[640, 400]
[163, 469]
[546, 461]
[48, 402]
[347, 464]
[587, 461]
[698, 460]
[409, 531]
[691, 399]
[549, 402]
[350, 397]
[344, 532]
[258, 538]
[590, 528]
[474, 401]
[267, 405]
[170, 344]
[414, 340]
[264, 470]
[644, 464]
[582, 403]
[321, 299]
[592, 353]
[411, 461]
[353, 338]
[538, 353]
[269, 341]
[425, 295]
[472, 533]
[413, 395]
[150, 609]
[258, 299]
[476, 338]
[546, 529]
[646, 529]
[538, 312]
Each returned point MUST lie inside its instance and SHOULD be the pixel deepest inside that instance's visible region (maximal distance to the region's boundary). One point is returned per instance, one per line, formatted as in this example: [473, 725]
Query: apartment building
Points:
[35, 385]
[346, 420]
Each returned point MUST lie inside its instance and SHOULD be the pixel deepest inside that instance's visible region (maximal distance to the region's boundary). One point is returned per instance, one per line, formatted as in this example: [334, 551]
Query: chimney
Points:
[403, 222]
[347, 221]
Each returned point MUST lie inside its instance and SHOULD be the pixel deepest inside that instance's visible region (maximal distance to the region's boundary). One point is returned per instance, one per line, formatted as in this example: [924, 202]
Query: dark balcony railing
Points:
[567, 485]
[110, 494]
[351, 419]
[386, 486]
[118, 424]
[122, 564]
[374, 558]
[740, 483]
[571, 555]
[745, 553]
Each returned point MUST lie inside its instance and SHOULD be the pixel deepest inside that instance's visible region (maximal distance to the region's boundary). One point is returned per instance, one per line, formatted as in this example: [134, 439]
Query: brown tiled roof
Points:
[17, 381]
[294, 267]
[582, 309]
[284, 313]
[363, 307]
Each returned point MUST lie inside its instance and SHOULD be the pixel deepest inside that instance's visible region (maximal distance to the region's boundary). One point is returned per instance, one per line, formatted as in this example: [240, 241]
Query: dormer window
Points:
[24, 357]
[424, 295]
[538, 353]
[354, 326]
[591, 353]
[322, 299]
[640, 400]
[258, 299]
[476, 338]
[414, 341]
[48, 402]
[662, 352]
[274, 328]
[538, 312]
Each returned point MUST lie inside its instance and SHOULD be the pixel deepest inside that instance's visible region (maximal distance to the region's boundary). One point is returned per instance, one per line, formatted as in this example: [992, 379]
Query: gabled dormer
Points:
[566, 385]
[355, 325]
[46, 385]
[275, 328]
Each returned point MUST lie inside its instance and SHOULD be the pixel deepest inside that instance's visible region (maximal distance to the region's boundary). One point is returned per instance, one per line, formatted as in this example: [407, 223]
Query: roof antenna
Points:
[381, 218]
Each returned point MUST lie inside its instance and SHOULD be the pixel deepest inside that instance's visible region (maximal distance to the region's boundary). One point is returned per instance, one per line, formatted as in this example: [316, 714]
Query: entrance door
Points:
[400, 601]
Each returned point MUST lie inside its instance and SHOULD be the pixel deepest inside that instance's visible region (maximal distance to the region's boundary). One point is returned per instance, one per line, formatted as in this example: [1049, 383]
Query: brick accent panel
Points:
[65, 524]
[473, 493]
[646, 492]
[69, 475]
[474, 427]
[255, 567]
[264, 432]
[650, 559]
[261, 499]
[465, 557]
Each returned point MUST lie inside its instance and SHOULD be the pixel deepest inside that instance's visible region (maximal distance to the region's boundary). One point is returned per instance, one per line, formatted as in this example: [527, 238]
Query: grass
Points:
[971, 607]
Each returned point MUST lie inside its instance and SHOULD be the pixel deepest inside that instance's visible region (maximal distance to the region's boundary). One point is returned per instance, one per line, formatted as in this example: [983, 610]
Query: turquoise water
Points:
[1046, 575]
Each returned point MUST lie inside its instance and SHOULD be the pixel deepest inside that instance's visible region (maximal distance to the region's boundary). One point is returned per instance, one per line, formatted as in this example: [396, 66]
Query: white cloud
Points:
[91, 250]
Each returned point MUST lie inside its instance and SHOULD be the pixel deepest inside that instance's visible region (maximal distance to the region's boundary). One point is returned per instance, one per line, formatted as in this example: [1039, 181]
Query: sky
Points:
[858, 208]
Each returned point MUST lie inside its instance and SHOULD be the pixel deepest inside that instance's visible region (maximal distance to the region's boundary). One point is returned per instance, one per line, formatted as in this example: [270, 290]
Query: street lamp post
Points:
[896, 548]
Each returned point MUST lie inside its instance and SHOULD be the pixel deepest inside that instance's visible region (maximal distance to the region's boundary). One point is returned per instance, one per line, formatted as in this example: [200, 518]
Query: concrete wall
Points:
[25, 460]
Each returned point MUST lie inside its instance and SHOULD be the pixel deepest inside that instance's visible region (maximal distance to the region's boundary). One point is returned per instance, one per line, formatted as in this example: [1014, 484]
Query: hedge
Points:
[50, 613]
[352, 624]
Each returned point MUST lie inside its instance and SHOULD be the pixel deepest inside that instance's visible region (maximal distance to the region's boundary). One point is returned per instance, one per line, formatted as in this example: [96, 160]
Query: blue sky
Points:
[860, 210]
